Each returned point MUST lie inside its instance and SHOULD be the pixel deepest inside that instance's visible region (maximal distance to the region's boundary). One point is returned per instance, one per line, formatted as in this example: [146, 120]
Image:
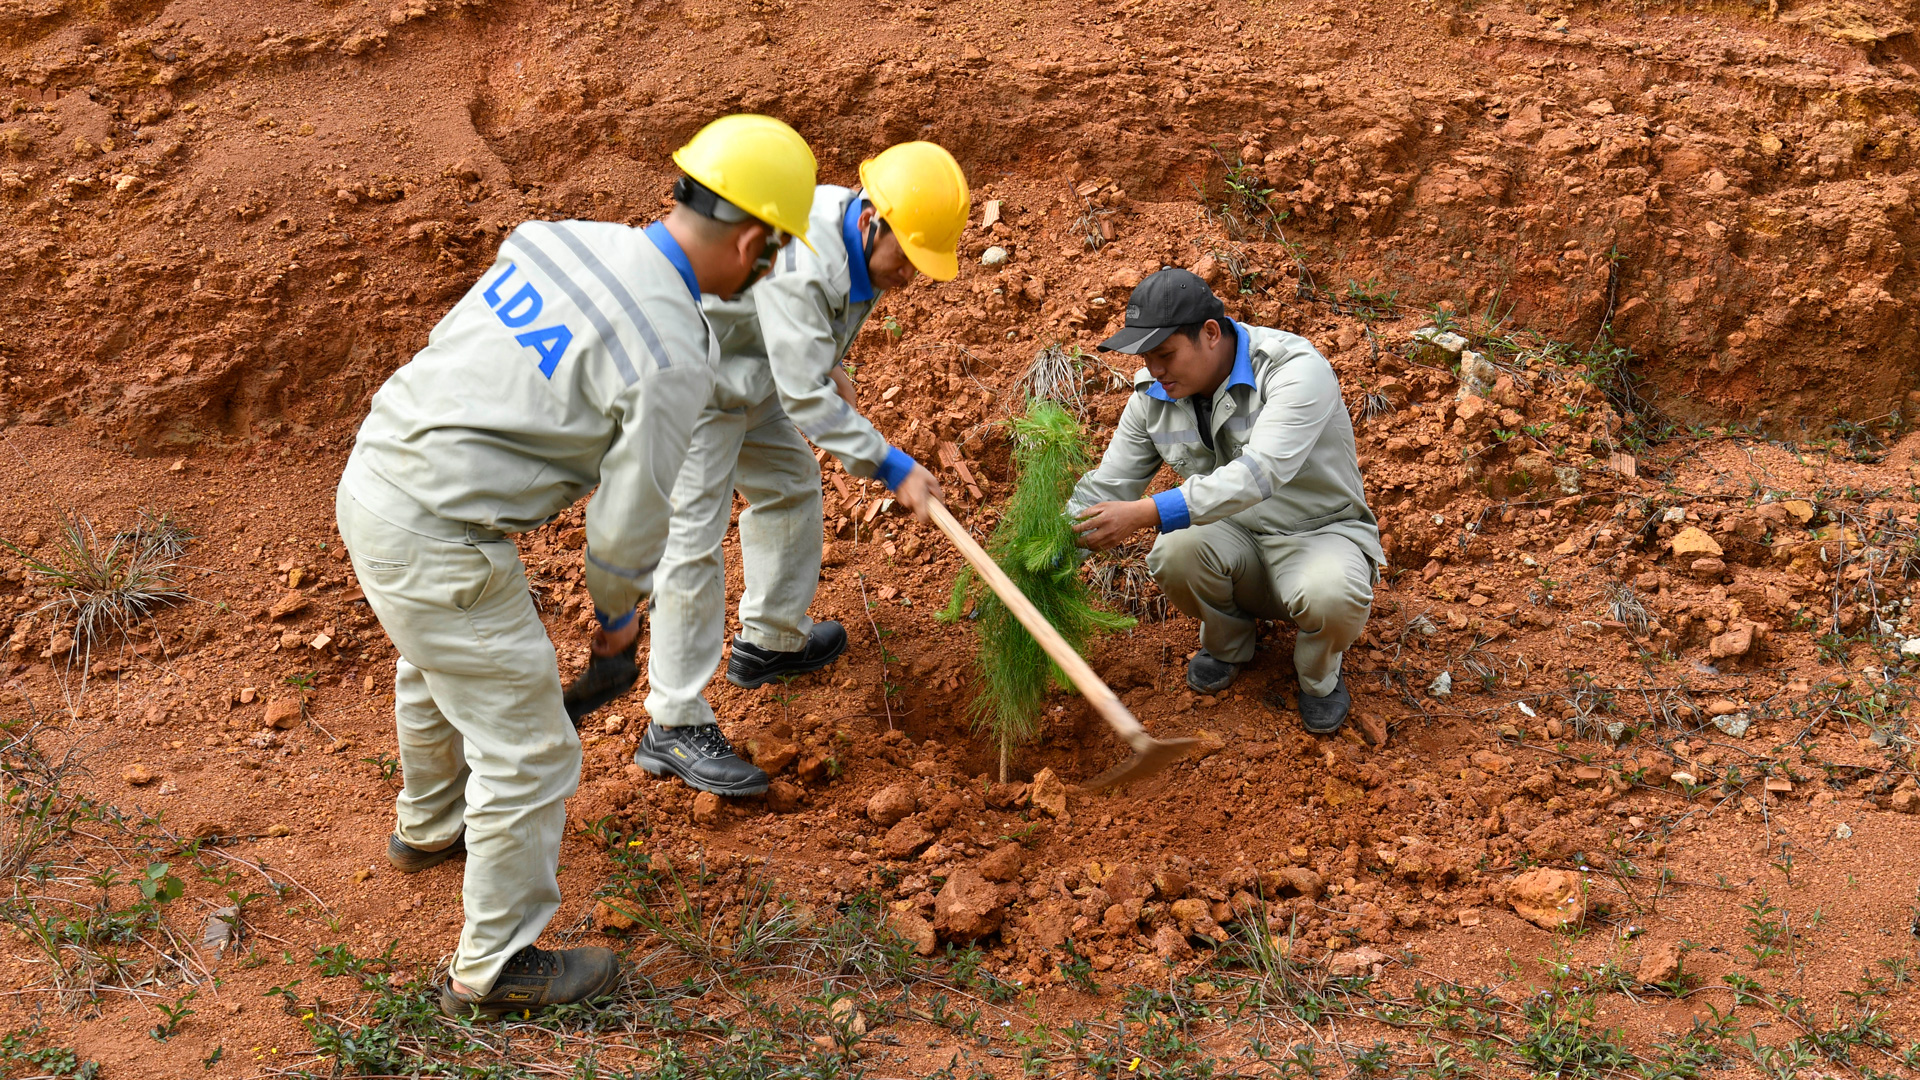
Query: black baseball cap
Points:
[1164, 302]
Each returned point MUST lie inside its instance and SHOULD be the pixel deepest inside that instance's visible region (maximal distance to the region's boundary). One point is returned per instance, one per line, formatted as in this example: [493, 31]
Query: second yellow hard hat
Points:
[919, 191]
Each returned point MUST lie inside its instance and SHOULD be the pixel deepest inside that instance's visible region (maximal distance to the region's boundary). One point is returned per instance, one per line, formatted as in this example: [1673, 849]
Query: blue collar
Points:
[862, 290]
[662, 239]
[1242, 374]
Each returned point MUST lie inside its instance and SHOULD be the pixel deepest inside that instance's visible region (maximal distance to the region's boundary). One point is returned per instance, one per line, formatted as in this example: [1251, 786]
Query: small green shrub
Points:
[1034, 544]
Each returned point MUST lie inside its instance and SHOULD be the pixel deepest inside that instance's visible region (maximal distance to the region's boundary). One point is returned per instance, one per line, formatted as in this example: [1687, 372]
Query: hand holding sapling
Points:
[1109, 524]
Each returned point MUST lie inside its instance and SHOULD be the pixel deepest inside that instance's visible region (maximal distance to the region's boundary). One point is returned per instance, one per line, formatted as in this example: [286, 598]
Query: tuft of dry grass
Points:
[1121, 580]
[1625, 606]
[1055, 375]
[102, 587]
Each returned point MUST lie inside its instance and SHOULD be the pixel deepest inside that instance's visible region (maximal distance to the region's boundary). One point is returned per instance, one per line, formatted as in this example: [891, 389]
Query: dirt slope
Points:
[228, 218]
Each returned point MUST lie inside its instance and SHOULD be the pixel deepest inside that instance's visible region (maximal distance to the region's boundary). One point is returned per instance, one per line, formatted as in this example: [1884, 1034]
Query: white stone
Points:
[1442, 685]
[1445, 341]
[1843, 831]
[993, 256]
[1734, 724]
[1910, 647]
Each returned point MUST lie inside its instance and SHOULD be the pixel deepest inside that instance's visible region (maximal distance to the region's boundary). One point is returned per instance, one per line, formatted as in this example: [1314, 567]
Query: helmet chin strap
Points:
[875, 230]
[775, 241]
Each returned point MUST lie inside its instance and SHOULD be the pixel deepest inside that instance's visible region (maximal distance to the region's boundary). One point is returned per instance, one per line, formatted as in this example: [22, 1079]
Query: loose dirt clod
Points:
[1550, 899]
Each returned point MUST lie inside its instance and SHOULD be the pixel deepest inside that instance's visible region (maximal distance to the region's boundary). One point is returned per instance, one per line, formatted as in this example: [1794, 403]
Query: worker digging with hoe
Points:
[1270, 520]
[580, 358]
[780, 375]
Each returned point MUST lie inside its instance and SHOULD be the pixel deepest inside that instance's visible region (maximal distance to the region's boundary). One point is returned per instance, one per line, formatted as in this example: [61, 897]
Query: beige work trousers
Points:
[759, 453]
[1227, 577]
[485, 743]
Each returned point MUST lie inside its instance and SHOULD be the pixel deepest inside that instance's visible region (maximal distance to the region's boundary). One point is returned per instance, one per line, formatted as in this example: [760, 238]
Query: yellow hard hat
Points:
[758, 164]
[919, 191]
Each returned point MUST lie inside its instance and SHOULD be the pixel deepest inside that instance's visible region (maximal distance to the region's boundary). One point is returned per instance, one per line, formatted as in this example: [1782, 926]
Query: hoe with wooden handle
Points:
[1150, 755]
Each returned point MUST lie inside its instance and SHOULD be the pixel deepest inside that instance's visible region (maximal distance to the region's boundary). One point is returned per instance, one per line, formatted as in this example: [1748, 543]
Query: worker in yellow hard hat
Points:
[782, 347]
[578, 362]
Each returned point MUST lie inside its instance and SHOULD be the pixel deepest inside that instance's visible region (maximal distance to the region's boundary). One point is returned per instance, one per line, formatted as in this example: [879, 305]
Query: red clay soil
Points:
[229, 223]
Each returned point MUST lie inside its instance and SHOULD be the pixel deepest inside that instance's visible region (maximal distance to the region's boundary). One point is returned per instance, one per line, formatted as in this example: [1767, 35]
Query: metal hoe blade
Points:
[1150, 755]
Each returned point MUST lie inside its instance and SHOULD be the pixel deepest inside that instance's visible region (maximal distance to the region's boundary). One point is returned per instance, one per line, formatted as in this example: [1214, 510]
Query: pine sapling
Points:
[1034, 544]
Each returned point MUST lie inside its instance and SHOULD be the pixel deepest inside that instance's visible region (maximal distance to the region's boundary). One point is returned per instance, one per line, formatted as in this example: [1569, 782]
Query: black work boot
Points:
[606, 678]
[535, 979]
[1209, 675]
[411, 860]
[701, 756]
[753, 666]
[1324, 715]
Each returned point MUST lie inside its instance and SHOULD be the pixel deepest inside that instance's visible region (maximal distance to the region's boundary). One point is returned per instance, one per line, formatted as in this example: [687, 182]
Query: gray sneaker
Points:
[535, 979]
[701, 756]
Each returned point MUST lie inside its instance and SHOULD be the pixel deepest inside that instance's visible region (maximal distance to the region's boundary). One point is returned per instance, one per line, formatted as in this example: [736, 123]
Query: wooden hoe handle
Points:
[1103, 699]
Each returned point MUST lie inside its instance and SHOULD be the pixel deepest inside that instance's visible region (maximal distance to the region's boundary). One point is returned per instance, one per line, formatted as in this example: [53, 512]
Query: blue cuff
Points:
[607, 622]
[894, 467]
[1173, 510]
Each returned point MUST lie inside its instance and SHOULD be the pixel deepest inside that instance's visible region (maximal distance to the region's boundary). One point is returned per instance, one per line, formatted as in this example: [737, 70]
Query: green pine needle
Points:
[1034, 544]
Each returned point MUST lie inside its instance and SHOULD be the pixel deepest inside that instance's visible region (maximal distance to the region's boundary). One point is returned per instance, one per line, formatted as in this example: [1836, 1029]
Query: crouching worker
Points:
[580, 358]
[780, 375]
[1269, 521]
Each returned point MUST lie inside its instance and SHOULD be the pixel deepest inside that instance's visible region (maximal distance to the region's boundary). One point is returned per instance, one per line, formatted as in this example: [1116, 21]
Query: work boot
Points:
[411, 860]
[701, 756]
[535, 979]
[753, 666]
[606, 678]
[1324, 715]
[1208, 675]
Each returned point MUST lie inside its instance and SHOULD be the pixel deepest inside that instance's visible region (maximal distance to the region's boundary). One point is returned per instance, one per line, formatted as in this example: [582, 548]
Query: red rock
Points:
[706, 808]
[283, 713]
[784, 798]
[1549, 899]
[891, 804]
[772, 756]
[611, 916]
[1005, 863]
[905, 839]
[1357, 963]
[1194, 917]
[915, 930]
[1171, 945]
[1171, 884]
[1049, 794]
[1121, 919]
[1736, 642]
[1291, 881]
[138, 775]
[812, 769]
[290, 604]
[1128, 882]
[969, 906]
[1661, 963]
